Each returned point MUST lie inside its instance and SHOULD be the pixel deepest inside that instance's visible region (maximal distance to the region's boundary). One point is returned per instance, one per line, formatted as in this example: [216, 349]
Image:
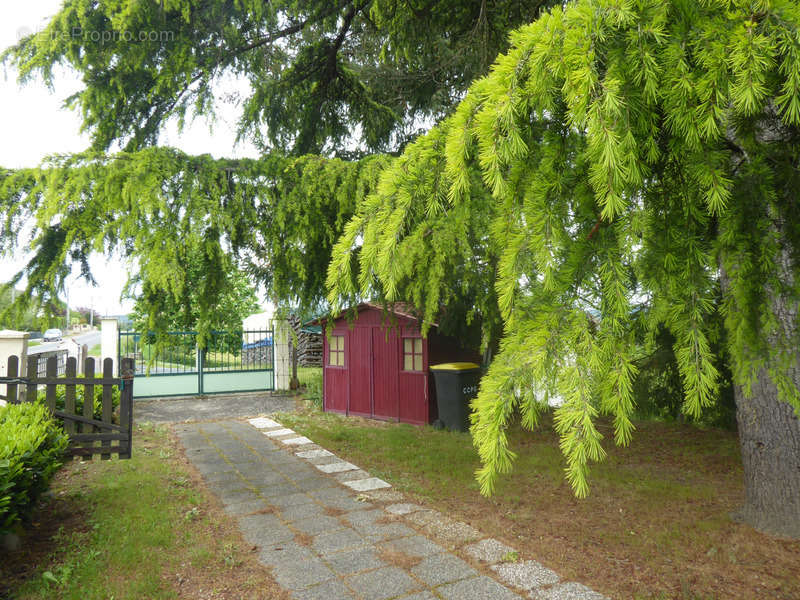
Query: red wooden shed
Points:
[377, 365]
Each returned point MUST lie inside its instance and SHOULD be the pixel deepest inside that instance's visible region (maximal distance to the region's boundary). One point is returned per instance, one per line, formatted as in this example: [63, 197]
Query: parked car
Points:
[52, 335]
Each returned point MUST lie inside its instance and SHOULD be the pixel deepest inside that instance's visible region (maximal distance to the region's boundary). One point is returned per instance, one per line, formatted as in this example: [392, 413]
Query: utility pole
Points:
[66, 291]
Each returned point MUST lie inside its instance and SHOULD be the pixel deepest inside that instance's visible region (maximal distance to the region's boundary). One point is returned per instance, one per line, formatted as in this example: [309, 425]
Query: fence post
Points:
[88, 397]
[51, 388]
[12, 343]
[109, 339]
[69, 394]
[107, 408]
[33, 374]
[126, 402]
[280, 345]
[13, 371]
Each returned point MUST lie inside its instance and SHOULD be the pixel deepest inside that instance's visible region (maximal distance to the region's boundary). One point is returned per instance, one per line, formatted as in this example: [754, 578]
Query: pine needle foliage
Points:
[322, 75]
[625, 160]
[276, 217]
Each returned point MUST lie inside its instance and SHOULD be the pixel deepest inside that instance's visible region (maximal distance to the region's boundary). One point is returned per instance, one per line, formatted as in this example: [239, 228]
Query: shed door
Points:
[336, 377]
[413, 379]
[360, 380]
[385, 357]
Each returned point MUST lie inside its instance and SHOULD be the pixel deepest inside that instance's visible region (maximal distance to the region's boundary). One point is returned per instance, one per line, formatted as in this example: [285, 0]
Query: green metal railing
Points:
[232, 361]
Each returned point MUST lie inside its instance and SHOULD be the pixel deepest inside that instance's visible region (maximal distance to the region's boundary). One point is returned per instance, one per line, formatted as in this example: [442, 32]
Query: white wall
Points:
[12, 343]
[109, 342]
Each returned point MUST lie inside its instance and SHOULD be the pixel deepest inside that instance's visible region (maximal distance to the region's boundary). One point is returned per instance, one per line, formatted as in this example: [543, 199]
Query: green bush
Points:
[80, 394]
[31, 448]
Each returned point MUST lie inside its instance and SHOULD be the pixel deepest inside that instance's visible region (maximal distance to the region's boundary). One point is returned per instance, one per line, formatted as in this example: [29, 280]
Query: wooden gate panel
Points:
[84, 430]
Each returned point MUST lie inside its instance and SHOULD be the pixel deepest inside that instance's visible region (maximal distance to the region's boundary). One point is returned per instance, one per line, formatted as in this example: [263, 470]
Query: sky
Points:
[33, 125]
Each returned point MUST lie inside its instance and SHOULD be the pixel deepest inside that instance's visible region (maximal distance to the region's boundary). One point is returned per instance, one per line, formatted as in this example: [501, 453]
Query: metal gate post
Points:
[272, 334]
[200, 361]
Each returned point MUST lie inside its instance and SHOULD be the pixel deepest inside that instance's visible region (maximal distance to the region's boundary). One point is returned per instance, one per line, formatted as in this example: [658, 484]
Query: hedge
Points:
[31, 449]
[80, 393]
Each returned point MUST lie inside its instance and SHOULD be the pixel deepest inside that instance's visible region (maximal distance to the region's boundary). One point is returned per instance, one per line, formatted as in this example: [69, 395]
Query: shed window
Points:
[412, 354]
[336, 351]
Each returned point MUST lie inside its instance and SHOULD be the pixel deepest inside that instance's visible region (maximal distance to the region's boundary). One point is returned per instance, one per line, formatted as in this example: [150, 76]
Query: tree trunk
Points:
[769, 429]
[769, 436]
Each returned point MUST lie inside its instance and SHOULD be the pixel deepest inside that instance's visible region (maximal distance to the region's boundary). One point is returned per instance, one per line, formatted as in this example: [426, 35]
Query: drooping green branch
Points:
[625, 151]
[277, 217]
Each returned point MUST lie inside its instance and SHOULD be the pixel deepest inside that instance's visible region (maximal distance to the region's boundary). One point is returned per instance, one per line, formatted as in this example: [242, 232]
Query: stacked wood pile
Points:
[309, 345]
[259, 353]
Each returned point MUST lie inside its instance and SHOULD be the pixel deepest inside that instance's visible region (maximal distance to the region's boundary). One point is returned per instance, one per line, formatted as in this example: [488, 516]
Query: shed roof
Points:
[400, 309]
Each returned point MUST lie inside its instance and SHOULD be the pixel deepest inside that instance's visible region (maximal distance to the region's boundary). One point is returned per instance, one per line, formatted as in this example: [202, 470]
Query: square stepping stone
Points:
[309, 454]
[489, 550]
[297, 576]
[344, 539]
[336, 467]
[333, 493]
[318, 524]
[327, 590]
[278, 489]
[278, 432]
[296, 441]
[363, 517]
[222, 477]
[263, 423]
[237, 497]
[284, 552]
[365, 485]
[416, 546]
[567, 591]
[264, 477]
[298, 470]
[402, 509]
[526, 574]
[442, 568]
[292, 499]
[479, 588]
[384, 496]
[297, 512]
[264, 530]
[323, 460]
[351, 475]
[316, 484]
[387, 582]
[454, 533]
[376, 533]
[245, 508]
[336, 497]
[424, 517]
[348, 562]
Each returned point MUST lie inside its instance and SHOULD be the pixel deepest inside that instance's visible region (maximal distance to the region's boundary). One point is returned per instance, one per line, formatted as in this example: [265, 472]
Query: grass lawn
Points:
[656, 523]
[307, 375]
[96, 350]
[139, 528]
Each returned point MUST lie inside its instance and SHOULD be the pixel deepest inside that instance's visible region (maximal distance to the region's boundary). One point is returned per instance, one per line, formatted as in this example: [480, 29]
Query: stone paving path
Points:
[330, 531]
[207, 408]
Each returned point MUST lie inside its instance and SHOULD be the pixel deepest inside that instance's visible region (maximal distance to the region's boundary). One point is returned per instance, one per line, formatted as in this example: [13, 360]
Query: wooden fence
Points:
[84, 430]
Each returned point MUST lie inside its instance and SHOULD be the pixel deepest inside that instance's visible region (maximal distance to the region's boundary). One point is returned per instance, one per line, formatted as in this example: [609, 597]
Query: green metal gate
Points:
[232, 361]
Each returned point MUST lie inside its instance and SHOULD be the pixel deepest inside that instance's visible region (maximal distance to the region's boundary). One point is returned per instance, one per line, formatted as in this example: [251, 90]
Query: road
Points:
[90, 338]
